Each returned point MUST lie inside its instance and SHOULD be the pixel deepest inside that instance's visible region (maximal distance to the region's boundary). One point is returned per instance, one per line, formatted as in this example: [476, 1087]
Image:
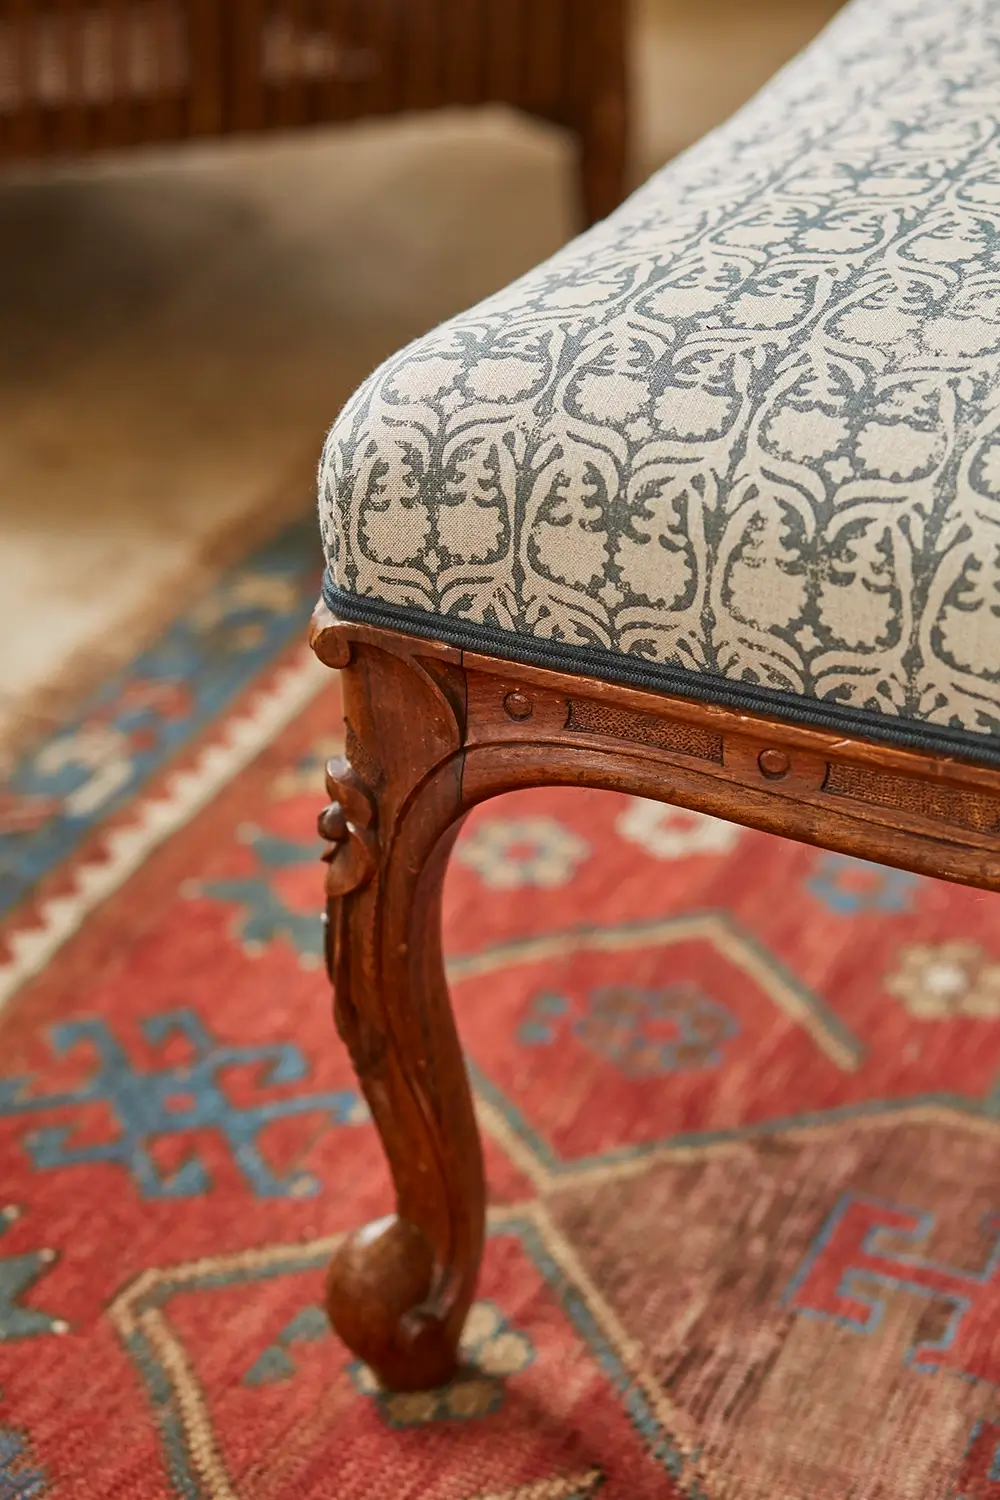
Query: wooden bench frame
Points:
[432, 731]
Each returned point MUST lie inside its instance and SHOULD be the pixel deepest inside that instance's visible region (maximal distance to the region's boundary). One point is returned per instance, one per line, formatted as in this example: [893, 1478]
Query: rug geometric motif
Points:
[740, 1103]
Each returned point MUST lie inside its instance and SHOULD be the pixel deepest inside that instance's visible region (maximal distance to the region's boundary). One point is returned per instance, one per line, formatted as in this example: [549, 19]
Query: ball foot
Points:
[378, 1291]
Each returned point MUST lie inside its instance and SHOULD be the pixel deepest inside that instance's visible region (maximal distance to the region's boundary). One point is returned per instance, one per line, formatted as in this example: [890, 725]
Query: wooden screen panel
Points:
[83, 75]
[298, 62]
[337, 93]
[505, 49]
[79, 75]
[120, 122]
[464, 59]
[302, 61]
[596, 58]
[162, 62]
[293, 47]
[205, 33]
[244, 78]
[67, 72]
[546, 57]
[379, 33]
[423, 54]
[21, 131]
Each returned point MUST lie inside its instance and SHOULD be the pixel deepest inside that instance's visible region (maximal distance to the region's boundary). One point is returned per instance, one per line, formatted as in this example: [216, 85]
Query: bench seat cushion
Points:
[742, 440]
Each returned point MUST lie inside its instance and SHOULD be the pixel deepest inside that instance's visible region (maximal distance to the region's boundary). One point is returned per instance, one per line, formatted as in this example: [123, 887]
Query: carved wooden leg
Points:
[399, 1290]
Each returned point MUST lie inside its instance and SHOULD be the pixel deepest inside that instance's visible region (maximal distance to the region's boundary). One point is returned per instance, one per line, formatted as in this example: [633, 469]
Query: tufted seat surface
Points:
[742, 440]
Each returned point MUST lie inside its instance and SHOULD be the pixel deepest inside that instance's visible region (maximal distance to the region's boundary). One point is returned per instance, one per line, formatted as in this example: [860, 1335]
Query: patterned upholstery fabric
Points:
[742, 440]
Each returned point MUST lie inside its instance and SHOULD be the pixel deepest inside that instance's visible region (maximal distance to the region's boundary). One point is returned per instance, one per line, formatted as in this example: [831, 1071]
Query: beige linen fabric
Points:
[744, 436]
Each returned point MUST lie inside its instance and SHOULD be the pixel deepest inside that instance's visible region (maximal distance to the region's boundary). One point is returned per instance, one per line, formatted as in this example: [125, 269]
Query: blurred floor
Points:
[177, 330]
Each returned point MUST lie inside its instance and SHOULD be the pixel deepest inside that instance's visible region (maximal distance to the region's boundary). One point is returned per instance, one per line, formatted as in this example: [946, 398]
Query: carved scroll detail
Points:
[665, 734]
[348, 825]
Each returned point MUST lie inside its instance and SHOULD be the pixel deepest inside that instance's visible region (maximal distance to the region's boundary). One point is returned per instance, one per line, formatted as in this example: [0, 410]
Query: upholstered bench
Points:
[708, 508]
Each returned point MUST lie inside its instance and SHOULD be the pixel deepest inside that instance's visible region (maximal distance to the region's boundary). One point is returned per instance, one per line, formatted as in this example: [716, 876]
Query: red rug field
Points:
[739, 1099]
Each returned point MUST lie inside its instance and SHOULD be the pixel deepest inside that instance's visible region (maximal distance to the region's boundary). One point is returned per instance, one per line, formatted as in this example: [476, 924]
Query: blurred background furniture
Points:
[79, 76]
